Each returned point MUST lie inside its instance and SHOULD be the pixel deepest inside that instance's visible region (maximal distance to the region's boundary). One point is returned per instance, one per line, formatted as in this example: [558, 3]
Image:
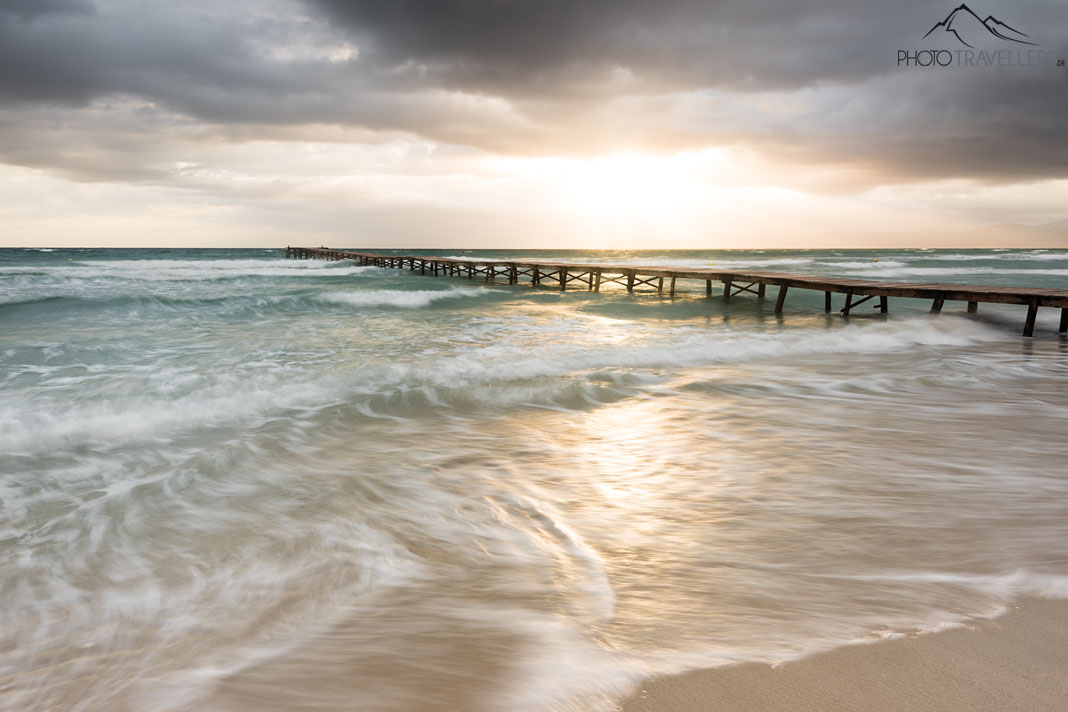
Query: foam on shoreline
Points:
[1014, 662]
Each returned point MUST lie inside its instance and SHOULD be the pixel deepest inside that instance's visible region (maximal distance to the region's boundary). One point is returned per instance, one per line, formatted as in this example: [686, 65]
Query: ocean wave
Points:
[19, 301]
[402, 299]
[30, 426]
[774, 262]
[959, 271]
[189, 270]
[515, 372]
[1000, 256]
[693, 348]
[174, 302]
[578, 377]
[871, 264]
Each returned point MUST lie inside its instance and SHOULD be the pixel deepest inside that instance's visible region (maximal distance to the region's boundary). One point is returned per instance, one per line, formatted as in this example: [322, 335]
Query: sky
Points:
[529, 123]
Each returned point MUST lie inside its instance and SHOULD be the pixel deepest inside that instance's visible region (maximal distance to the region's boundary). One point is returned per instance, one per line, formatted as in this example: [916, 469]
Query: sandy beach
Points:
[1018, 661]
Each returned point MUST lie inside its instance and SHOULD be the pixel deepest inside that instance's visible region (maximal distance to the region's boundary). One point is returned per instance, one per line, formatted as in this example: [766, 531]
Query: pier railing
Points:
[734, 282]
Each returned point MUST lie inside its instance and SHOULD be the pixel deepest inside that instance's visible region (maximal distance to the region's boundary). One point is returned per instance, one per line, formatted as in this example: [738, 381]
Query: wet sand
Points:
[1018, 661]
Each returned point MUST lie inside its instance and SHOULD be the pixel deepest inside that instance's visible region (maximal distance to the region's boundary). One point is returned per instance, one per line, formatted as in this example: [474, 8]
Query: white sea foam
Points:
[102, 421]
[107, 420]
[693, 348]
[1004, 587]
[566, 671]
[871, 264]
[403, 299]
[1000, 257]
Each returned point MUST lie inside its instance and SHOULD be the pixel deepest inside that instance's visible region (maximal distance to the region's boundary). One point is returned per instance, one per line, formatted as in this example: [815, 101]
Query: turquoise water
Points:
[229, 481]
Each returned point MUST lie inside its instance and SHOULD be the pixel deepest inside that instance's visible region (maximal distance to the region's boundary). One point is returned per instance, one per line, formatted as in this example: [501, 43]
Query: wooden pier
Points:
[733, 282]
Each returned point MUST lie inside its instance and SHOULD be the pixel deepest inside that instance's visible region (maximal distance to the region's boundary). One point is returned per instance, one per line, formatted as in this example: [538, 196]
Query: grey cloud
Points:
[525, 47]
[549, 46]
[537, 77]
[72, 59]
[28, 9]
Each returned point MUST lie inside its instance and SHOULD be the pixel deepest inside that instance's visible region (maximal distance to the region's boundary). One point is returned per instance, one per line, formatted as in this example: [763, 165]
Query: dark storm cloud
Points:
[529, 47]
[72, 58]
[538, 77]
[547, 46]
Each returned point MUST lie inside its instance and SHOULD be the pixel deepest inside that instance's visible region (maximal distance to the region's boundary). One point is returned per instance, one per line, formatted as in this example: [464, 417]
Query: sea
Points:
[235, 482]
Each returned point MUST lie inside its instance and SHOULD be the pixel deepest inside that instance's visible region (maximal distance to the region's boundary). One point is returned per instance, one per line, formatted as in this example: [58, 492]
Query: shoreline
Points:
[1015, 662]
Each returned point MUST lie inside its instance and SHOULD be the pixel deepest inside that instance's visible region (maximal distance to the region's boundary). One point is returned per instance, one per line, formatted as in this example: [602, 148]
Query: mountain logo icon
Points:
[966, 26]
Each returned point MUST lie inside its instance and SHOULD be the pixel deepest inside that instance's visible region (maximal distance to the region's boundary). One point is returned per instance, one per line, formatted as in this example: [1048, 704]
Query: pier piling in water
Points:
[734, 281]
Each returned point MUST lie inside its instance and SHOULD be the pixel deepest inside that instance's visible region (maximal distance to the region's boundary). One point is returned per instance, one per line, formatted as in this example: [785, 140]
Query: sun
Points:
[631, 185]
[628, 198]
[636, 187]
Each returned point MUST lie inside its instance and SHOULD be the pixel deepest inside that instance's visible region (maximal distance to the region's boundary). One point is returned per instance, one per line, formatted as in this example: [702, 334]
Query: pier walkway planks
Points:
[734, 282]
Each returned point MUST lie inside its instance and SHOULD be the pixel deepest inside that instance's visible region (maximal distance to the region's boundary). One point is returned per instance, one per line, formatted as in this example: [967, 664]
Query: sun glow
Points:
[630, 186]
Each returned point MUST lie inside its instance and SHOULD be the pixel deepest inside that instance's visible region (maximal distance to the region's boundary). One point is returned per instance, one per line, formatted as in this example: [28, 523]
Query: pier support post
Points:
[781, 299]
[597, 280]
[630, 281]
[708, 287]
[973, 307]
[850, 304]
[936, 306]
[535, 276]
[761, 289]
[1064, 321]
[827, 302]
[513, 274]
[563, 278]
[660, 286]
[1032, 313]
[884, 305]
[672, 285]
[726, 291]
